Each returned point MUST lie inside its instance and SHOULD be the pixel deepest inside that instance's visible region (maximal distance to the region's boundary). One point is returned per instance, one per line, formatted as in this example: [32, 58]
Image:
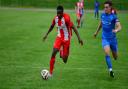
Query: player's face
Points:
[107, 8]
[60, 15]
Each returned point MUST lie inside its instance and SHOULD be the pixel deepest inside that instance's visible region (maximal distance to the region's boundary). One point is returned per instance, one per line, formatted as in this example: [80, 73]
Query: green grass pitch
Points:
[23, 54]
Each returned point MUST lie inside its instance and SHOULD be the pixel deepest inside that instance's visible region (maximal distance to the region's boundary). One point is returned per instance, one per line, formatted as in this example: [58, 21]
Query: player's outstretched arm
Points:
[77, 34]
[98, 29]
[50, 29]
[118, 27]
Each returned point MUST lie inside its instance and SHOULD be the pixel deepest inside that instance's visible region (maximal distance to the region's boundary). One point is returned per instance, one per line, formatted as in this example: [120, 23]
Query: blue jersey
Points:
[108, 22]
[97, 5]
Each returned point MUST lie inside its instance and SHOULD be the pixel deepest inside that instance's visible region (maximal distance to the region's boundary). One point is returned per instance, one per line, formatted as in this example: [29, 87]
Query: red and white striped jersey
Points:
[114, 11]
[63, 26]
[79, 6]
[82, 1]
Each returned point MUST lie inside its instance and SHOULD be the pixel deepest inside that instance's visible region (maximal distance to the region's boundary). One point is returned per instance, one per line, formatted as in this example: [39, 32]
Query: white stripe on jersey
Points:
[65, 30]
[56, 21]
[63, 27]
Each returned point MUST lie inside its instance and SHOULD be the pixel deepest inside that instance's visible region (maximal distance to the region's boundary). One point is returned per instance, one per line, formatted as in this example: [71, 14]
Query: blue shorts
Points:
[112, 43]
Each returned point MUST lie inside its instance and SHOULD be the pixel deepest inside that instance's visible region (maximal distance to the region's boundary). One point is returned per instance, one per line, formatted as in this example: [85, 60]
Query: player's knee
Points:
[107, 53]
[54, 52]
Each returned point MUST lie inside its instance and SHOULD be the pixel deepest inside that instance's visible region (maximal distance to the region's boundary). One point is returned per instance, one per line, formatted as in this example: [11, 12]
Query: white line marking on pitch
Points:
[65, 68]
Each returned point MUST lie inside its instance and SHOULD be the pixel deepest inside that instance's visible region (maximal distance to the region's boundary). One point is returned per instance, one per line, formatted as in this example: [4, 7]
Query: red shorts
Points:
[65, 44]
[79, 15]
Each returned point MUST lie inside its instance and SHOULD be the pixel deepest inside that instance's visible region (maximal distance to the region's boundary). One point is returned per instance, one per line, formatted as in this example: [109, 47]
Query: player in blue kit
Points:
[110, 26]
[96, 10]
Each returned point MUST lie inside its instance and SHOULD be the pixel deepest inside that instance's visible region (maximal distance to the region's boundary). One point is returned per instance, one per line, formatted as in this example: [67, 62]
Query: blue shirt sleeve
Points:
[116, 18]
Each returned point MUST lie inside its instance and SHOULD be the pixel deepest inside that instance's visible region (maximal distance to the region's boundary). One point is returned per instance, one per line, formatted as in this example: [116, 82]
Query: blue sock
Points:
[108, 61]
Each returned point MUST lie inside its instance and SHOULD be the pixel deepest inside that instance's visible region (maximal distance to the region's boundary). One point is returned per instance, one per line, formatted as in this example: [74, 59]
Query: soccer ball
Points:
[45, 74]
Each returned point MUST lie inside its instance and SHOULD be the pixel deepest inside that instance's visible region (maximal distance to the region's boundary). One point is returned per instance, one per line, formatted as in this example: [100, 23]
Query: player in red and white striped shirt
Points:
[64, 25]
[79, 8]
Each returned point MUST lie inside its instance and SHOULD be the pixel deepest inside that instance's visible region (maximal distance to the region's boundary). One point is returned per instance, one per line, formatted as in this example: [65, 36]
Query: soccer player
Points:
[64, 25]
[96, 9]
[79, 8]
[110, 26]
[82, 12]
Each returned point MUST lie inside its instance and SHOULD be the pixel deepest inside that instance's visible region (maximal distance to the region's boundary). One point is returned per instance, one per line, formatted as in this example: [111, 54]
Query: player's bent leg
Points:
[52, 61]
[98, 14]
[65, 58]
[78, 20]
[82, 20]
[114, 48]
[115, 55]
[66, 51]
[61, 53]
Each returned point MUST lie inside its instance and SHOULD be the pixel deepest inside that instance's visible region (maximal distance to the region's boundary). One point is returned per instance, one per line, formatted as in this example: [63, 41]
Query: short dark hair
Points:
[60, 9]
[108, 2]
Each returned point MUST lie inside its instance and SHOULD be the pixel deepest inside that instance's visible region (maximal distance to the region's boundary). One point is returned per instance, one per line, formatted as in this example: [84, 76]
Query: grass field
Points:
[23, 54]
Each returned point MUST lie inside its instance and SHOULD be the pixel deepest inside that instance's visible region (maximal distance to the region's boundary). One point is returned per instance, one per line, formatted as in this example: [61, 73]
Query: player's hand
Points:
[114, 31]
[95, 34]
[81, 42]
[45, 37]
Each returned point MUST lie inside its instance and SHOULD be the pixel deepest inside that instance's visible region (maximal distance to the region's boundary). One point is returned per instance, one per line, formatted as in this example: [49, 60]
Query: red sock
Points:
[61, 53]
[78, 22]
[52, 61]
